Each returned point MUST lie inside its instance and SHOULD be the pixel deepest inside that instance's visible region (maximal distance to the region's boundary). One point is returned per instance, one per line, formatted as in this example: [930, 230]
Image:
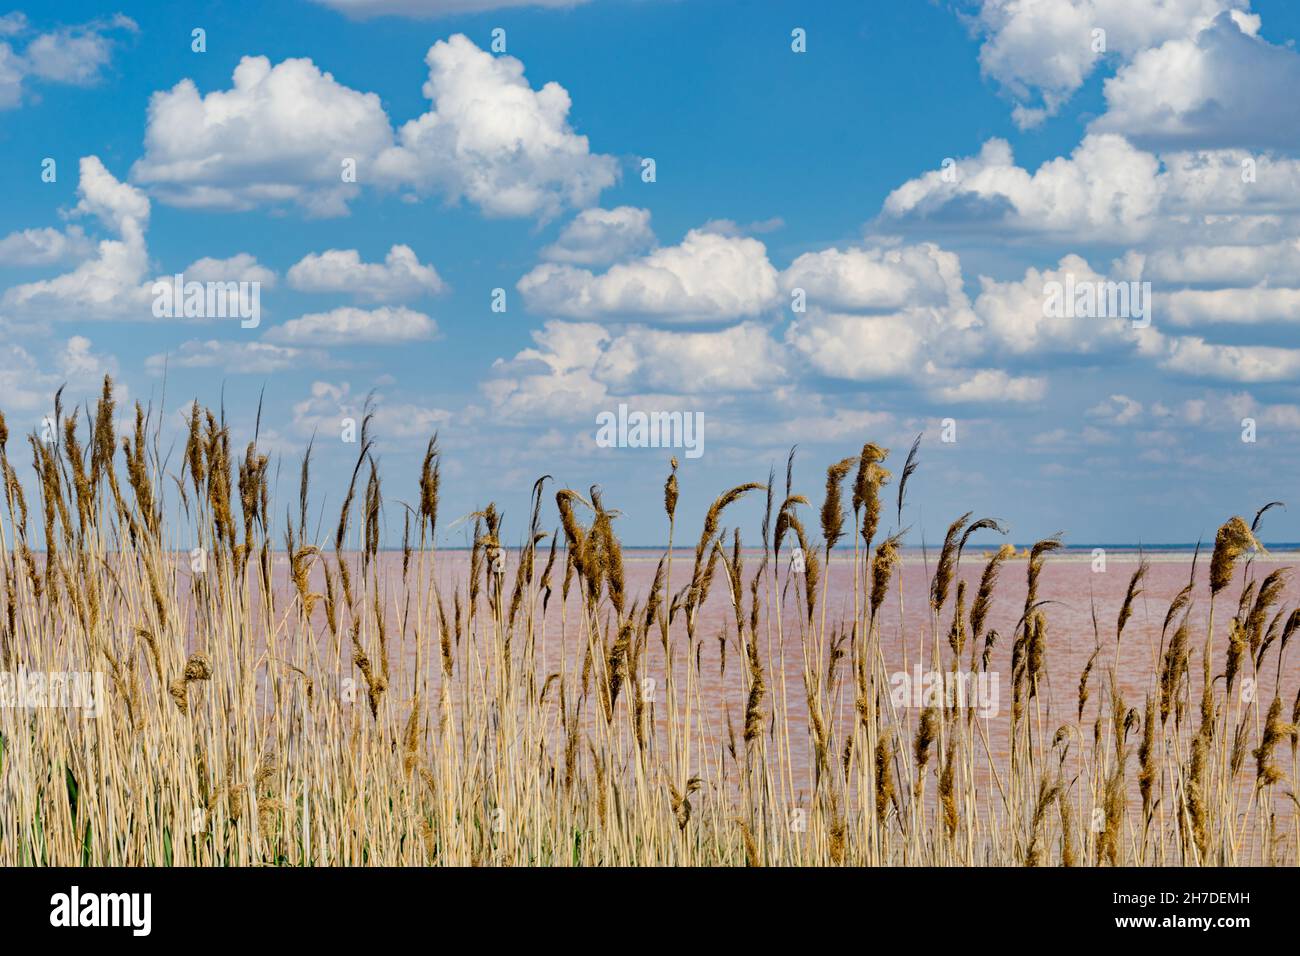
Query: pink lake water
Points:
[1069, 581]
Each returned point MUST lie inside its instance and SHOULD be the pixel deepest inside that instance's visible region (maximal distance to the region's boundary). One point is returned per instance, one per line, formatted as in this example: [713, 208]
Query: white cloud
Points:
[429, 9]
[860, 347]
[1106, 191]
[1193, 356]
[896, 314]
[77, 361]
[287, 133]
[729, 227]
[110, 284]
[118, 205]
[601, 236]
[74, 55]
[1194, 307]
[1281, 415]
[493, 140]
[11, 78]
[706, 278]
[1042, 51]
[1013, 318]
[249, 358]
[926, 348]
[578, 368]
[400, 276]
[554, 380]
[1236, 265]
[741, 358]
[328, 403]
[876, 278]
[1225, 86]
[984, 385]
[1057, 436]
[1213, 184]
[1106, 186]
[279, 135]
[28, 385]
[1117, 409]
[901, 315]
[242, 267]
[809, 418]
[44, 247]
[1018, 37]
[351, 326]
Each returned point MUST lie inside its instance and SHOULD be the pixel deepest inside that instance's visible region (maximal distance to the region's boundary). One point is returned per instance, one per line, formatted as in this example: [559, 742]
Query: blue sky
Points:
[775, 170]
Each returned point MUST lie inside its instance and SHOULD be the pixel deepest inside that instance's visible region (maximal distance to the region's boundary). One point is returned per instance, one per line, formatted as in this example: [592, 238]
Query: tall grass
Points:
[358, 710]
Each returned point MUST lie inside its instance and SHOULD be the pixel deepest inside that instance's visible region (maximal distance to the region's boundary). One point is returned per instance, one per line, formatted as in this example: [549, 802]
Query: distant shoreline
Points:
[1069, 551]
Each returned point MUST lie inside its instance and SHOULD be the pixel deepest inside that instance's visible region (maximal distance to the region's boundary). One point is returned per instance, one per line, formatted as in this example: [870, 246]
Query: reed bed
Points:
[367, 712]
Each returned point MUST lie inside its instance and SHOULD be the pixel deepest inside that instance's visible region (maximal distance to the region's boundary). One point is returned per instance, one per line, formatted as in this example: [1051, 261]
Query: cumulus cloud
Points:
[1107, 190]
[400, 276]
[1187, 72]
[901, 316]
[280, 134]
[1235, 265]
[1042, 52]
[1117, 410]
[246, 358]
[429, 9]
[1231, 185]
[1195, 307]
[78, 361]
[242, 267]
[118, 205]
[1014, 321]
[729, 227]
[73, 55]
[21, 379]
[811, 418]
[860, 347]
[28, 384]
[984, 386]
[577, 368]
[44, 247]
[327, 404]
[923, 348]
[895, 314]
[110, 284]
[601, 236]
[491, 139]
[738, 359]
[1194, 357]
[386, 325]
[1226, 86]
[553, 380]
[706, 278]
[1227, 410]
[289, 132]
[1106, 185]
[876, 278]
